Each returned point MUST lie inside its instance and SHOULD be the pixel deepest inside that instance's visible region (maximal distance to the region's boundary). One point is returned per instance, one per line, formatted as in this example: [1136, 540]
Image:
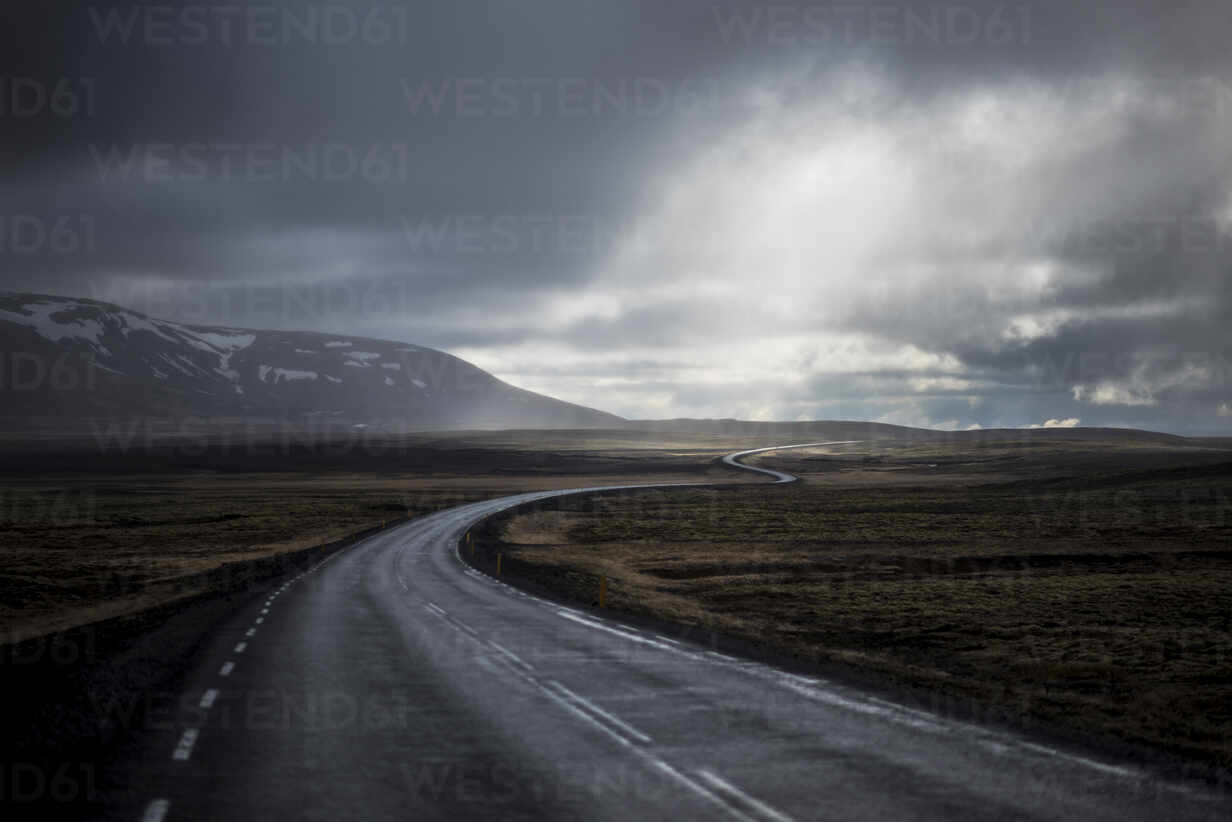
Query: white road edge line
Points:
[1090, 763]
[184, 747]
[239, 648]
[720, 784]
[227, 668]
[207, 698]
[626, 634]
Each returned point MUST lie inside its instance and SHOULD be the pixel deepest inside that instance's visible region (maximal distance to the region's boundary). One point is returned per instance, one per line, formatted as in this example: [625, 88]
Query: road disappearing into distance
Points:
[394, 681]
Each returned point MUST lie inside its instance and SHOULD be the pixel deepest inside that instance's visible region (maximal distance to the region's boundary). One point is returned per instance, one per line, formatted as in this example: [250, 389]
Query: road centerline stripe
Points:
[156, 810]
[592, 707]
[723, 786]
[510, 655]
[183, 749]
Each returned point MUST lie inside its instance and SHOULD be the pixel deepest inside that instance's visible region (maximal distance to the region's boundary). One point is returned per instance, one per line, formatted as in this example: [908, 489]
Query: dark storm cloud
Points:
[542, 186]
[203, 135]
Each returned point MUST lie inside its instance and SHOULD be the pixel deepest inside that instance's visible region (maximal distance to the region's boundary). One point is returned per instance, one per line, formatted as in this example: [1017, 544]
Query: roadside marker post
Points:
[498, 564]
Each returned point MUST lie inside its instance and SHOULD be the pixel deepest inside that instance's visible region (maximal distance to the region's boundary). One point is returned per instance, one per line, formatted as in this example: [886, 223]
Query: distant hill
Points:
[67, 359]
[855, 430]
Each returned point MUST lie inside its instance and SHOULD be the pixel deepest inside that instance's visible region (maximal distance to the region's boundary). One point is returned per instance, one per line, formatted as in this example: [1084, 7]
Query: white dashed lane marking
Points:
[508, 654]
[155, 811]
[730, 799]
[741, 798]
[184, 747]
[595, 709]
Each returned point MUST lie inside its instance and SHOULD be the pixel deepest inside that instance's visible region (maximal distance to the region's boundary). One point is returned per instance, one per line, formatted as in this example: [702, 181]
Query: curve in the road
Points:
[394, 681]
[779, 476]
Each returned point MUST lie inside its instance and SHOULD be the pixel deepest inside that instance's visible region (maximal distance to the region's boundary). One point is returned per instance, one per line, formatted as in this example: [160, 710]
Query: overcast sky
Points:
[932, 214]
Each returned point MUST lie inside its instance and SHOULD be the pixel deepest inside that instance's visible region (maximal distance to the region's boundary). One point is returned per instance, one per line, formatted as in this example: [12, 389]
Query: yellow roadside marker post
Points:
[498, 564]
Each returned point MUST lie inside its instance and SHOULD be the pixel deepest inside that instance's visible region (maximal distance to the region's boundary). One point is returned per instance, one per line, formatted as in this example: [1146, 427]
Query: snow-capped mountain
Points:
[65, 357]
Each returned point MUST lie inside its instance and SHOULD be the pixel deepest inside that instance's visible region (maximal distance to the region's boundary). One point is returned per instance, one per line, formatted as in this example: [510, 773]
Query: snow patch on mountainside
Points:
[286, 374]
[224, 344]
[131, 322]
[176, 364]
[39, 318]
[166, 365]
[218, 341]
[62, 319]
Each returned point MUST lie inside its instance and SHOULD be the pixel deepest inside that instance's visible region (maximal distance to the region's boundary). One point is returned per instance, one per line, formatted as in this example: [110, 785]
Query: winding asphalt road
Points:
[392, 681]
